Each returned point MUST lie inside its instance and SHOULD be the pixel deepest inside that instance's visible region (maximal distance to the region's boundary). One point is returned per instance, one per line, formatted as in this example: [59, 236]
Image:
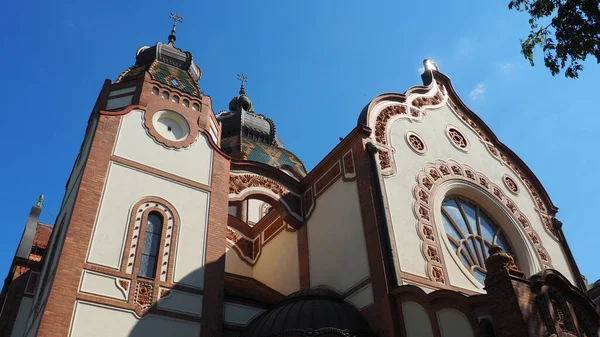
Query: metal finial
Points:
[176, 18]
[242, 79]
[40, 200]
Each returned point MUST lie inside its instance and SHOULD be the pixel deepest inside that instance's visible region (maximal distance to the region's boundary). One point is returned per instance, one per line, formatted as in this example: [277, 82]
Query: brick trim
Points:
[428, 181]
[160, 173]
[214, 283]
[59, 307]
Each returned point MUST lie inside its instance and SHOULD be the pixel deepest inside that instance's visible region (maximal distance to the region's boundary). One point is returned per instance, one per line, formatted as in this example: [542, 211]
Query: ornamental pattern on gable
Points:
[240, 185]
[249, 247]
[414, 108]
[427, 182]
[499, 155]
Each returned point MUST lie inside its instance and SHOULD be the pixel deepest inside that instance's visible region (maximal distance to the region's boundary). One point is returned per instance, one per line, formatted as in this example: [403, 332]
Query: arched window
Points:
[471, 232]
[151, 245]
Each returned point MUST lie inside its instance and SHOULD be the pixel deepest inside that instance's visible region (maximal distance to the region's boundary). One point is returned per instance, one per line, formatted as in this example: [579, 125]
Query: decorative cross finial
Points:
[242, 79]
[40, 201]
[176, 18]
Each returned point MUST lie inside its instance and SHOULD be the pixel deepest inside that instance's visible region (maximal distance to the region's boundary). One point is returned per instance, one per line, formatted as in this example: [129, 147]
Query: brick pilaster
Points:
[214, 283]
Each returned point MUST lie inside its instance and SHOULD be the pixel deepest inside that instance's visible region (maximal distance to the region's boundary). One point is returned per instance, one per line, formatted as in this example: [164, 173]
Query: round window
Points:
[471, 232]
[171, 125]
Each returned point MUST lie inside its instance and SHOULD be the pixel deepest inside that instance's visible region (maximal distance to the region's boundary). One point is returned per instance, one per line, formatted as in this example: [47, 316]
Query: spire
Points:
[243, 79]
[40, 200]
[176, 18]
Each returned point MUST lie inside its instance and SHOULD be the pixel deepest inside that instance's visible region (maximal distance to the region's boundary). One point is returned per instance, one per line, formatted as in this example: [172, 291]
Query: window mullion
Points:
[470, 226]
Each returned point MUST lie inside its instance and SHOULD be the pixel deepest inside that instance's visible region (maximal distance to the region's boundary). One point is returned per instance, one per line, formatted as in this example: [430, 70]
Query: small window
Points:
[176, 99]
[165, 95]
[195, 106]
[155, 91]
[151, 245]
[186, 103]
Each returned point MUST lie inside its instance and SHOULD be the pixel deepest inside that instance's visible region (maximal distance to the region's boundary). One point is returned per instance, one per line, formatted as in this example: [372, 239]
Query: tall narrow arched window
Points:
[471, 232]
[151, 245]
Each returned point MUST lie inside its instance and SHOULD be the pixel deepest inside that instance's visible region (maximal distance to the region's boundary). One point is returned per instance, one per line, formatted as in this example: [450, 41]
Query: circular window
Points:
[457, 138]
[171, 125]
[471, 232]
[415, 142]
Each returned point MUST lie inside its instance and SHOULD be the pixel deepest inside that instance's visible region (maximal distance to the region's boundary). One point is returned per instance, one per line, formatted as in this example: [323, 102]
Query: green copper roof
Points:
[271, 155]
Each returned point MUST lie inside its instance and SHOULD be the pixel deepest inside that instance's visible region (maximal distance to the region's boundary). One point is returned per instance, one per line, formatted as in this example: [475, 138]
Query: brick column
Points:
[212, 307]
[512, 300]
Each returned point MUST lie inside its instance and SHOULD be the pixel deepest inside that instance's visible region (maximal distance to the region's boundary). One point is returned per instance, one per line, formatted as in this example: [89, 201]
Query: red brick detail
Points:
[348, 163]
[214, 282]
[308, 202]
[382, 321]
[428, 180]
[160, 173]
[248, 185]
[327, 179]
[59, 308]
[501, 153]
[248, 241]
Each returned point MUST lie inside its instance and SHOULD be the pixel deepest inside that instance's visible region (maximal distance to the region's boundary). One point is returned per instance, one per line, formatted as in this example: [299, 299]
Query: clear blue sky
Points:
[312, 66]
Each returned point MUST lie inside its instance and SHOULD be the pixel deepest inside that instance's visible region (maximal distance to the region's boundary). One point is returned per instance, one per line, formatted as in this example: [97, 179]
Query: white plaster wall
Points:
[254, 210]
[336, 239]
[235, 265]
[124, 187]
[133, 143]
[277, 266]
[103, 285]
[238, 314]
[179, 301]
[452, 323]
[19, 327]
[399, 190]
[416, 320]
[363, 297]
[90, 320]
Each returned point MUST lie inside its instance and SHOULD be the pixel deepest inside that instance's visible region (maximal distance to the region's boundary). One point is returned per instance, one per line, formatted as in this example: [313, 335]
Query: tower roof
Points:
[167, 64]
[253, 135]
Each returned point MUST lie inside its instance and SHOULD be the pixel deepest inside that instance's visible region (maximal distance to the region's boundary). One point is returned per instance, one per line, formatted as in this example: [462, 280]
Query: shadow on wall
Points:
[159, 311]
[14, 301]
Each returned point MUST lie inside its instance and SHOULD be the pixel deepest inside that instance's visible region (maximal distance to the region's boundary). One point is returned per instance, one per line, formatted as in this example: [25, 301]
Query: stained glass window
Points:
[471, 232]
[151, 245]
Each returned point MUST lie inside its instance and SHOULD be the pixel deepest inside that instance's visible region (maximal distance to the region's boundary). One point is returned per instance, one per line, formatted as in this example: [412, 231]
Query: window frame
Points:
[169, 234]
[161, 242]
[480, 256]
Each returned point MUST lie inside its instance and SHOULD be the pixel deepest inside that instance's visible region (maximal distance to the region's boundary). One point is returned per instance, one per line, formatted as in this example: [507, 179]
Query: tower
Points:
[144, 202]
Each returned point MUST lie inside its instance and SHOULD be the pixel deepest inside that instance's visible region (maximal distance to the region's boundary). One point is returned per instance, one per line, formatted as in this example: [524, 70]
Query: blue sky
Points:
[312, 66]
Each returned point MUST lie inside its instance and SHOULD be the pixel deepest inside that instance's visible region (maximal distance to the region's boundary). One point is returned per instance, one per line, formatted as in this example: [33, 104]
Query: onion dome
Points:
[312, 312]
[167, 64]
[250, 136]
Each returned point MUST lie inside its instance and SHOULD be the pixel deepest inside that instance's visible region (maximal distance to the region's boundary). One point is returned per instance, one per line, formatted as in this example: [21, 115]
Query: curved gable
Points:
[430, 124]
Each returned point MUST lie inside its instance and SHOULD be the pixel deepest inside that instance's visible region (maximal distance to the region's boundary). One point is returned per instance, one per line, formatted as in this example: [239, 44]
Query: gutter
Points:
[382, 221]
[565, 245]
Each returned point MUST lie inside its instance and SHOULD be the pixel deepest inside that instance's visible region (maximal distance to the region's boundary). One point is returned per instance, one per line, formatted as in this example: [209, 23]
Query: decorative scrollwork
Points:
[428, 180]
[238, 183]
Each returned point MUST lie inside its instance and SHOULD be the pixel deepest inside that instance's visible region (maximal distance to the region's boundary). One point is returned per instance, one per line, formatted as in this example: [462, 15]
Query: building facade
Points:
[179, 221]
